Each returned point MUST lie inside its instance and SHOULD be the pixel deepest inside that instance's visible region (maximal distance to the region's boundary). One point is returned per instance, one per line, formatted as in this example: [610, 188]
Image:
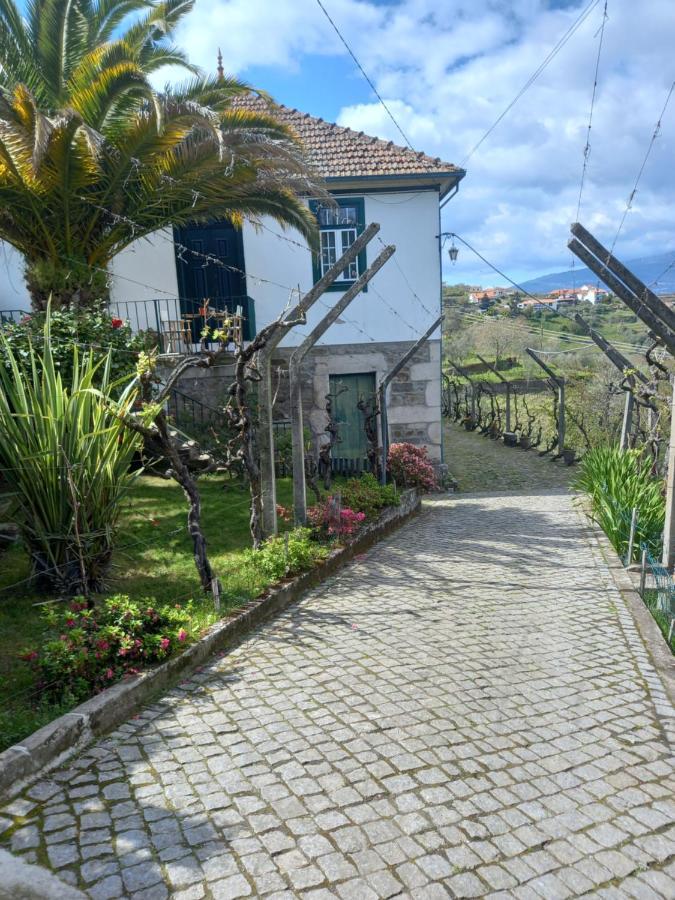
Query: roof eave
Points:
[444, 182]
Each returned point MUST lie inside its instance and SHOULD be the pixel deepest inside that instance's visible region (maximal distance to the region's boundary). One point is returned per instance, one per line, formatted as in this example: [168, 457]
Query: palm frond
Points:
[106, 15]
[97, 100]
[13, 20]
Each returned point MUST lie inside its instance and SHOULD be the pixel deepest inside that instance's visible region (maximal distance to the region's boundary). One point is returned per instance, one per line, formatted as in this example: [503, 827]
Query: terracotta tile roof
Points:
[338, 152]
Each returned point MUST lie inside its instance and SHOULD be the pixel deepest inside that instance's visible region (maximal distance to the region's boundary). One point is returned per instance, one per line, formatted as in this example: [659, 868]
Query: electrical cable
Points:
[587, 147]
[365, 75]
[631, 196]
[552, 54]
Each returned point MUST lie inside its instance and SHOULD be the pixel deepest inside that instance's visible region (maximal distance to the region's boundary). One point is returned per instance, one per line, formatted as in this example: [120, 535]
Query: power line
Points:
[493, 267]
[499, 271]
[631, 196]
[587, 147]
[365, 75]
[209, 259]
[661, 274]
[552, 54]
[477, 318]
[51, 569]
[409, 286]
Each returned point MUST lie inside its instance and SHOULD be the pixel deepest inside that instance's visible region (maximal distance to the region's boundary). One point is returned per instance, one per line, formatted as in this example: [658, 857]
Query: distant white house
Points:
[539, 305]
[591, 294]
[492, 294]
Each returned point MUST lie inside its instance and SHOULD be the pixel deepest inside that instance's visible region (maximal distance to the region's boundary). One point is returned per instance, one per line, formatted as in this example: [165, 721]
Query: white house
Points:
[538, 305]
[161, 282]
[592, 294]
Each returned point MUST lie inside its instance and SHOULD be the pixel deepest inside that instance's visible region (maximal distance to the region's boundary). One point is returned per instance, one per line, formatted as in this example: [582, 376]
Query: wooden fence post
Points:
[627, 421]
[559, 382]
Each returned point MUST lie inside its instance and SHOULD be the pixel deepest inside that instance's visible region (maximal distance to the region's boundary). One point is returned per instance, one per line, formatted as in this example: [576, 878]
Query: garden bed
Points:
[153, 560]
[72, 730]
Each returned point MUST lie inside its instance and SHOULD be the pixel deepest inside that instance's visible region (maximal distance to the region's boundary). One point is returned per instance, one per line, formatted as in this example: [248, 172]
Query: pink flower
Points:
[164, 643]
[70, 623]
[182, 635]
[283, 513]
[122, 651]
[109, 674]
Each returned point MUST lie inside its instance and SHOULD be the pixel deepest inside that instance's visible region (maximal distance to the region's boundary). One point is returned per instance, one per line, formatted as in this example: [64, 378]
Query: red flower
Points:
[116, 323]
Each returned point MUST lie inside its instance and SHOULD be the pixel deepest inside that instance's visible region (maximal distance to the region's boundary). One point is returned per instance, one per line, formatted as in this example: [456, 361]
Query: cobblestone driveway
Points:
[466, 711]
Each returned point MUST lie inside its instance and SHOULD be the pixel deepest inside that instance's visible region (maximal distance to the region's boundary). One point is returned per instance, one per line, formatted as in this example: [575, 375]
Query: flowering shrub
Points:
[93, 328]
[287, 554]
[329, 519]
[366, 495]
[410, 466]
[90, 648]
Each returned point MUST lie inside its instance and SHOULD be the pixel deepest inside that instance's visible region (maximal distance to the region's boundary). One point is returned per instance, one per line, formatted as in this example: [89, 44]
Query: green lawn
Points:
[153, 559]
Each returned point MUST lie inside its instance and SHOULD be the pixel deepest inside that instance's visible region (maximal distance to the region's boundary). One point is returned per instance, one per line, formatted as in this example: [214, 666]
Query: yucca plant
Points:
[66, 454]
[616, 482]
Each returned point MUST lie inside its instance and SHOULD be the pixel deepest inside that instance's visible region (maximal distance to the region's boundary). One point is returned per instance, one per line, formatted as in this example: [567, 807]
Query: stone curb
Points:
[51, 745]
[657, 648]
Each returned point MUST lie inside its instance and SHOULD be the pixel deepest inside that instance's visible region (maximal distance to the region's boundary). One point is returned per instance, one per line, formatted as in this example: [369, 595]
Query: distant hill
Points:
[647, 269]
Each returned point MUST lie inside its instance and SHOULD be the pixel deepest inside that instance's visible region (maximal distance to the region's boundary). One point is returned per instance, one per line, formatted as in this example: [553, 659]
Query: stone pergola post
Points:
[265, 421]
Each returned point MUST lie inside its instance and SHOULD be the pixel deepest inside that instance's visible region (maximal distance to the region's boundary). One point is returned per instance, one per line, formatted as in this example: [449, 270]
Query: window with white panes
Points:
[339, 226]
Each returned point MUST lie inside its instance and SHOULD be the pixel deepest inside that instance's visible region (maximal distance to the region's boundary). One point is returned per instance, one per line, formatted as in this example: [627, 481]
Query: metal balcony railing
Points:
[178, 323]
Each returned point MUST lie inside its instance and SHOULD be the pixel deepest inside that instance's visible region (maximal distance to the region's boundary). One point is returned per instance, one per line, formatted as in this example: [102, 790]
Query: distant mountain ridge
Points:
[647, 269]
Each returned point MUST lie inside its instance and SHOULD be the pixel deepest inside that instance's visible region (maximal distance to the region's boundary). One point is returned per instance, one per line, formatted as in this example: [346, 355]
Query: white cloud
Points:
[448, 69]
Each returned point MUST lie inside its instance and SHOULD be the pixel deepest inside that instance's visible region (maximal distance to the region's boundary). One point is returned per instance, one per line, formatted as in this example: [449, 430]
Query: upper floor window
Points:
[339, 226]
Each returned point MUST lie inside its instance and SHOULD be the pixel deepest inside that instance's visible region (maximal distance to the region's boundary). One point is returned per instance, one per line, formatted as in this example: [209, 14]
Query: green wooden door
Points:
[351, 455]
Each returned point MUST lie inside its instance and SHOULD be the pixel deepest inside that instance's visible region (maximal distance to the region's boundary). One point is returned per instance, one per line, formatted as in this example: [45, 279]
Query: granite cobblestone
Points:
[466, 711]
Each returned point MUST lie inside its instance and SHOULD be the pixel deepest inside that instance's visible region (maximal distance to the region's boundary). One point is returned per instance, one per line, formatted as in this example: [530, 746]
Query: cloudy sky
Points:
[447, 69]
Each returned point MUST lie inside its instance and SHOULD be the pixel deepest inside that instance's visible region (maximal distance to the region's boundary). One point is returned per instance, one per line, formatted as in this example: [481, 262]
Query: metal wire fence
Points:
[657, 590]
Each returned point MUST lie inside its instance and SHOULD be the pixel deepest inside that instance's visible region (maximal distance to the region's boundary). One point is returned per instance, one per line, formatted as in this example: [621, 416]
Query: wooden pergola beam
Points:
[632, 282]
[656, 325]
[621, 362]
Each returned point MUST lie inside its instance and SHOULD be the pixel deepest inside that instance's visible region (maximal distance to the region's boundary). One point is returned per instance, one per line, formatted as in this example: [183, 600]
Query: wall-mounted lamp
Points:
[453, 251]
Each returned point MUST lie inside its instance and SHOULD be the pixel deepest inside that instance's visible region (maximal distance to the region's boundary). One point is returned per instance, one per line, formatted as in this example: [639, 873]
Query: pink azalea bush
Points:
[410, 466]
[331, 520]
[88, 648]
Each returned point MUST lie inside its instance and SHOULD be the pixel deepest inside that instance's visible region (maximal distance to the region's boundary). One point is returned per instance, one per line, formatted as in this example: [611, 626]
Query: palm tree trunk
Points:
[76, 286]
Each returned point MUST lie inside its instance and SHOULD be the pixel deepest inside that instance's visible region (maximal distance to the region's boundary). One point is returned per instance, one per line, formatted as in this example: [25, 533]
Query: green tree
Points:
[93, 158]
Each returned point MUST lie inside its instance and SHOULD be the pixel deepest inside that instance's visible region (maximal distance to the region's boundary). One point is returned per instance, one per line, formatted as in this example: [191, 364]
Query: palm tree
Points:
[92, 158]
[61, 45]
